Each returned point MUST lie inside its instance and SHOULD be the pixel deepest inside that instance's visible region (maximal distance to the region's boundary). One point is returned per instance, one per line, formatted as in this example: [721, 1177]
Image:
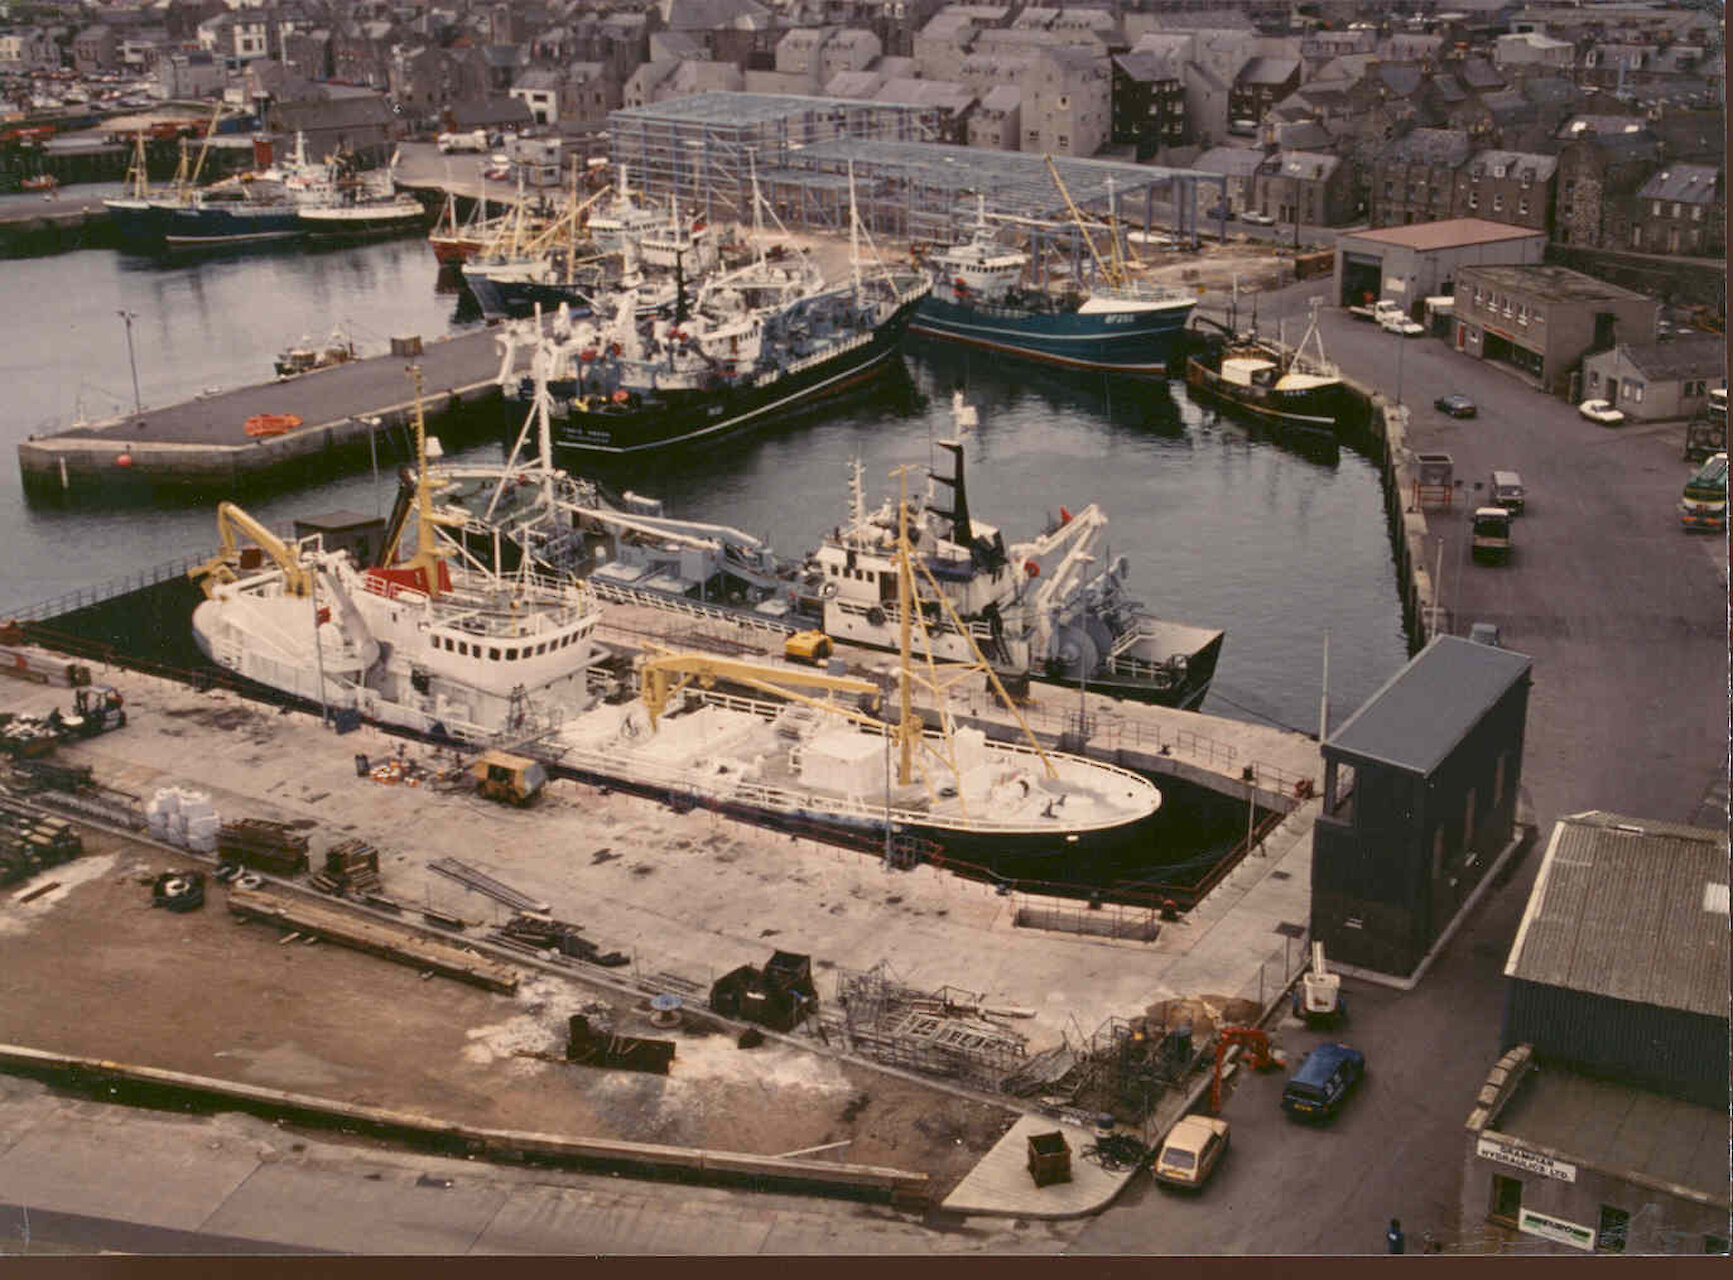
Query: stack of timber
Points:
[31, 842]
[351, 866]
[541, 933]
[375, 937]
[275, 847]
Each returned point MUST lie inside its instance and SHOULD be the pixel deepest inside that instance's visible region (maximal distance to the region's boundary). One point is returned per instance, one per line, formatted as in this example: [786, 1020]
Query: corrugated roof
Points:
[1629, 909]
[1689, 183]
[1423, 711]
[1451, 233]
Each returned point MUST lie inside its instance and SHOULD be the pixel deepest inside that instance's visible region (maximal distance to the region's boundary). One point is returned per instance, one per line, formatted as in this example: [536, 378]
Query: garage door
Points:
[1362, 277]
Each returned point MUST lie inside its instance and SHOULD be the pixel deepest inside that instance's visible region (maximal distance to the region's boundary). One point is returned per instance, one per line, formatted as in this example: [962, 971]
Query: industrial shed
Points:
[1406, 264]
[1620, 964]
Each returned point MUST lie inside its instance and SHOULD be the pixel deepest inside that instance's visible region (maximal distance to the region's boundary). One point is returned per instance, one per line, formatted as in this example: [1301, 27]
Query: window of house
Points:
[1636, 237]
[1522, 207]
[1675, 208]
[1594, 381]
[1474, 199]
[1506, 1199]
[1697, 213]
[1655, 208]
[1477, 294]
[1064, 143]
[1696, 238]
[1570, 185]
[1498, 203]
[1389, 187]
[1615, 1224]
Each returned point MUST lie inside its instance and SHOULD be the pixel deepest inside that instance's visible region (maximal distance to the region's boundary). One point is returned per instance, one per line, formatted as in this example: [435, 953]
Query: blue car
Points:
[1323, 1082]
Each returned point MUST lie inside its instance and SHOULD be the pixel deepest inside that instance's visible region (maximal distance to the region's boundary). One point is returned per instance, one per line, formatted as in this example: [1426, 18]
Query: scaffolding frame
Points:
[702, 151]
[941, 1032]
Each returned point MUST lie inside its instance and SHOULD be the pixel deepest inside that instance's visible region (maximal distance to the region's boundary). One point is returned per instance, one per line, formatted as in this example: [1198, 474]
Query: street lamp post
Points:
[131, 359]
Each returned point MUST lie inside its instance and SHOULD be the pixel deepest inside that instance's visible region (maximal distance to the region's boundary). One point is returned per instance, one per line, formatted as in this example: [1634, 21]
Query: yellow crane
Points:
[221, 568]
[667, 673]
[1114, 272]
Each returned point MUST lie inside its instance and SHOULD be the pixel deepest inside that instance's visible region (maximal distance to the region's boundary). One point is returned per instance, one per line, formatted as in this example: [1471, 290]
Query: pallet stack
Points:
[275, 847]
[30, 842]
[351, 866]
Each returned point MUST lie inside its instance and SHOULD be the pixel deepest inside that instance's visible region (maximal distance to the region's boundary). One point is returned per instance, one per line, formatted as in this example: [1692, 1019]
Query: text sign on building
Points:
[1528, 1161]
[1551, 1228]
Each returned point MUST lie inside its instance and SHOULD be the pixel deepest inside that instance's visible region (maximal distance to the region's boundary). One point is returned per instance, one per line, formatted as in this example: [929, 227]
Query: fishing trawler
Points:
[1118, 325]
[761, 341]
[1299, 390]
[459, 653]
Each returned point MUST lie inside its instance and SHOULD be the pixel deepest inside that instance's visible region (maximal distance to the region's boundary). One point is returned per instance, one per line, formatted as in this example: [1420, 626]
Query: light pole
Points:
[1401, 343]
[131, 359]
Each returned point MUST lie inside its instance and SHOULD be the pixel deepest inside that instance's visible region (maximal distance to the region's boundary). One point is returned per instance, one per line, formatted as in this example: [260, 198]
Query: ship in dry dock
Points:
[444, 648]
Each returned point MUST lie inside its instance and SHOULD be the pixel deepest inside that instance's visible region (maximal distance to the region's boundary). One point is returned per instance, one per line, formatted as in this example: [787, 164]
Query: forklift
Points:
[96, 709]
[508, 778]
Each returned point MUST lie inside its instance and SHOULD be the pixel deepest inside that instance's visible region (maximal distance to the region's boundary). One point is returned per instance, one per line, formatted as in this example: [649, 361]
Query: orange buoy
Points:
[620, 396]
[123, 460]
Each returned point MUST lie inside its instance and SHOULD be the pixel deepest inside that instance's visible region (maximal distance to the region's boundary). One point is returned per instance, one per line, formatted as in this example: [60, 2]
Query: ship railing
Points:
[114, 587]
[616, 593]
[893, 616]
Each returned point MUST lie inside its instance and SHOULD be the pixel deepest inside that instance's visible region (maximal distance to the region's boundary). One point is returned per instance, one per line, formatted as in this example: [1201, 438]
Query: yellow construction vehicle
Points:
[812, 647]
[502, 776]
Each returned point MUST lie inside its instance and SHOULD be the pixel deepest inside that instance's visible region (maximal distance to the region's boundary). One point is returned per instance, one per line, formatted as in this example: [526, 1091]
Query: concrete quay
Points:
[202, 445]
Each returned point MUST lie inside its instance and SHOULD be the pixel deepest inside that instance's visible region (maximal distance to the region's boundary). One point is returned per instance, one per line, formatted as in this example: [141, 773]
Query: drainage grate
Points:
[1281, 875]
[1291, 930]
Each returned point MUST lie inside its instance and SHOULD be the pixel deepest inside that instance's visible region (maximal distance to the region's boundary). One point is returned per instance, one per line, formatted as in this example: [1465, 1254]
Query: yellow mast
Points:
[907, 732]
[1077, 217]
[428, 551]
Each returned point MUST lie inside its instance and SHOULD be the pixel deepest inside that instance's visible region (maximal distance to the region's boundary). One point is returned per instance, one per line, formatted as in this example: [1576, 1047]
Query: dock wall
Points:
[112, 467]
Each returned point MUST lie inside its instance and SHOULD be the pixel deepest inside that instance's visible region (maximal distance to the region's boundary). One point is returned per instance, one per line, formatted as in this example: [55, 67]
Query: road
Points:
[1625, 617]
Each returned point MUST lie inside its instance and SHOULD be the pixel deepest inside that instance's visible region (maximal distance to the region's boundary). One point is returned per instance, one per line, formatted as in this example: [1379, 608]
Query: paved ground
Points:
[1625, 616]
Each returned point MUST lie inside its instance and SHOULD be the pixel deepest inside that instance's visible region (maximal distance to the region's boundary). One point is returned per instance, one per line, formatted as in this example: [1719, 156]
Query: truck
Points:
[1490, 531]
[470, 140]
[500, 775]
[1376, 311]
[1703, 505]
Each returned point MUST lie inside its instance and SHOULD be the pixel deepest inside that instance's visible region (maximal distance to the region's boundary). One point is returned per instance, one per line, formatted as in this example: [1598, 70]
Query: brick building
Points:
[1512, 187]
[1681, 209]
[1598, 174]
[1414, 178]
[1543, 320]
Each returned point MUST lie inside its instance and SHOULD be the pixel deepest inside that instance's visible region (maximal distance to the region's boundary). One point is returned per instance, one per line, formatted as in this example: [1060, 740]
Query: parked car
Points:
[1486, 633]
[1191, 1152]
[473, 140]
[1323, 1082]
[1601, 411]
[1397, 322]
[498, 167]
[1257, 219]
[1456, 405]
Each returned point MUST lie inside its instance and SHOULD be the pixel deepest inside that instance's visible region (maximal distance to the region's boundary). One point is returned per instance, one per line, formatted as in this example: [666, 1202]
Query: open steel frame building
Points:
[703, 151]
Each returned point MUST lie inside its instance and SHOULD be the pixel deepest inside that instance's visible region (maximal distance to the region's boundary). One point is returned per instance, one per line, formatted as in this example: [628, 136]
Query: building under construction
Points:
[705, 150]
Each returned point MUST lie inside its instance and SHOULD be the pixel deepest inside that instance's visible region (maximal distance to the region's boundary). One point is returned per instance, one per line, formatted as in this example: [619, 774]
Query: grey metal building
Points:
[1408, 264]
[1420, 788]
[1604, 1126]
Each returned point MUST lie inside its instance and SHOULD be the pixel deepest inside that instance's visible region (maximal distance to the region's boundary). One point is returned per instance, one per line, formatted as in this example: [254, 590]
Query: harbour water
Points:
[1222, 527]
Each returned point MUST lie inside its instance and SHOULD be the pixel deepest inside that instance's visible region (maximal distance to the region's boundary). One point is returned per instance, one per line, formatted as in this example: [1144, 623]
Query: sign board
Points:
[1551, 1228]
[1521, 1158]
[1395, 284]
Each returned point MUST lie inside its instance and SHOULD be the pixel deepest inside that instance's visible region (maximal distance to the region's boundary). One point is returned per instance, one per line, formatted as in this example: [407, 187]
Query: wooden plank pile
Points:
[275, 847]
[31, 842]
[351, 866]
[543, 934]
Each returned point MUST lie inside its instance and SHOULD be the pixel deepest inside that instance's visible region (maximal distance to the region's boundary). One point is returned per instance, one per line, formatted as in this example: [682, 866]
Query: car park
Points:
[1325, 1079]
[1190, 1153]
[1456, 405]
[1601, 411]
[1399, 323]
[1257, 219]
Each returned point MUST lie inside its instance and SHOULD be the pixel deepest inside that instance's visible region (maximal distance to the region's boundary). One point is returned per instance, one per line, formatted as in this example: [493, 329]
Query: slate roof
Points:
[1478, 73]
[1425, 709]
[1549, 91]
[1147, 67]
[1261, 70]
[1429, 146]
[1401, 81]
[1449, 90]
[1688, 183]
[1629, 909]
[711, 15]
[1231, 162]
[538, 78]
[343, 113]
[1307, 165]
[1514, 163]
[1696, 355]
[1003, 97]
[1304, 135]
[926, 93]
[853, 84]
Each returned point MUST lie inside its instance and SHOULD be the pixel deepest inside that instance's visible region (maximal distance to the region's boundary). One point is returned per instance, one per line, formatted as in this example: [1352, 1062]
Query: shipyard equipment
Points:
[505, 777]
[1318, 999]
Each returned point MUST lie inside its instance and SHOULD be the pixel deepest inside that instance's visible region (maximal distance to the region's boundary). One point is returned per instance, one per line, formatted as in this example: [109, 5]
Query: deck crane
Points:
[222, 568]
[1074, 541]
[1113, 273]
[667, 673]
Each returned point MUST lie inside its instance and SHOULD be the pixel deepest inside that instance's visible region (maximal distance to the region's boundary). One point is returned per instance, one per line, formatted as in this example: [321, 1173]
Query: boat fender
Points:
[1032, 569]
[875, 616]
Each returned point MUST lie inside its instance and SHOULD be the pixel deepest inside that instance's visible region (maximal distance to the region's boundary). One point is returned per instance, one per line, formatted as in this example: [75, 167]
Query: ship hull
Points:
[688, 418]
[387, 220]
[206, 225]
[136, 221]
[1131, 342]
[1314, 411]
[518, 298]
